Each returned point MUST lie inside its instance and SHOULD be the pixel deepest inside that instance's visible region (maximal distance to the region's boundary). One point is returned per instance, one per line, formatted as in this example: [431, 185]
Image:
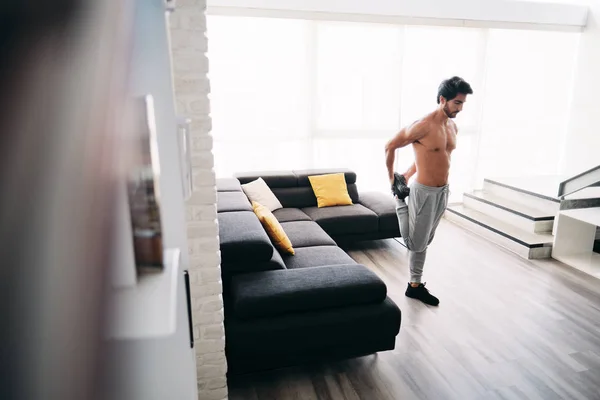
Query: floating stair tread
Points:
[592, 192]
[512, 206]
[544, 187]
[526, 238]
[588, 215]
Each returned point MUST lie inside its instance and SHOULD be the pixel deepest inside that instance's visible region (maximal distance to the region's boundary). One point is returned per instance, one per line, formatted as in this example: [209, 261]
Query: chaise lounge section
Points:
[318, 304]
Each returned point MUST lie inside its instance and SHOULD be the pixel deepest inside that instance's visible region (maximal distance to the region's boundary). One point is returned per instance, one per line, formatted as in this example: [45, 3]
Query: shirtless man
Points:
[433, 138]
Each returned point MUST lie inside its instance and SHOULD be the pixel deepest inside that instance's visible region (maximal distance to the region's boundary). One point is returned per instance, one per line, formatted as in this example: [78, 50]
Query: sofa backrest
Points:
[293, 189]
[244, 244]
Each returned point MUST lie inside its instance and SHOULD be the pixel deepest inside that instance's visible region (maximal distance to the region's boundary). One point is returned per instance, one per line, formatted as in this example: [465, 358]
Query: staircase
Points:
[519, 213]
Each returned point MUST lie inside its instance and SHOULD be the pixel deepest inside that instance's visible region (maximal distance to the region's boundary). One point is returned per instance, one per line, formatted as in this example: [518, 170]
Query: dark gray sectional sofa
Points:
[317, 304]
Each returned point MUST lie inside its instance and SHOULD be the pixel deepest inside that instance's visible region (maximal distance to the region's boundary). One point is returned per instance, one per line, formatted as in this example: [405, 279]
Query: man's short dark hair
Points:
[450, 88]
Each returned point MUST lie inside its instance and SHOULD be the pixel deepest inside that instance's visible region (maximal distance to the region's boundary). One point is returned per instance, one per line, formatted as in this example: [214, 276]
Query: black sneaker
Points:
[399, 188]
[421, 293]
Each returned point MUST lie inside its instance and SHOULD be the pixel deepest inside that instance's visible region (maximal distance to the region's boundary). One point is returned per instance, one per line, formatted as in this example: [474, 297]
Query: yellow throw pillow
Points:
[273, 228]
[330, 190]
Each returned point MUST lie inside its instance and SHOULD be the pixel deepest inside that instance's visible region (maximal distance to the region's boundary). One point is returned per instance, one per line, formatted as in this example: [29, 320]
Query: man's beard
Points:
[448, 113]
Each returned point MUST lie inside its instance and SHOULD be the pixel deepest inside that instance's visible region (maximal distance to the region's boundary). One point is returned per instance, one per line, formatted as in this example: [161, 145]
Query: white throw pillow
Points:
[260, 192]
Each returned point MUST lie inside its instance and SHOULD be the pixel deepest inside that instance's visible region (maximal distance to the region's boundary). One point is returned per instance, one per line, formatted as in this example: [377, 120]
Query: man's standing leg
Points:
[441, 205]
[426, 206]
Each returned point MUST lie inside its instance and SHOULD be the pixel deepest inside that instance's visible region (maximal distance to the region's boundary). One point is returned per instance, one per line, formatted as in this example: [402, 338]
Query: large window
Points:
[315, 94]
[260, 93]
[526, 102]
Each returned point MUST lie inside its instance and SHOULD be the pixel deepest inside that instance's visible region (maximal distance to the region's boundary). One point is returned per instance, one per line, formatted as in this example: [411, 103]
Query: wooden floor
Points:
[506, 328]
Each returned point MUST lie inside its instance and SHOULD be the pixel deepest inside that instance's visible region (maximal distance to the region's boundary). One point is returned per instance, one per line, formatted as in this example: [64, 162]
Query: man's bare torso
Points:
[433, 151]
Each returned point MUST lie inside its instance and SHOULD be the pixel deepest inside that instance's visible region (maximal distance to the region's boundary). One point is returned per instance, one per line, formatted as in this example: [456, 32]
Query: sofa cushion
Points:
[274, 179]
[330, 190]
[290, 214]
[228, 185]
[353, 192]
[273, 228]
[230, 269]
[306, 233]
[305, 173]
[242, 238]
[349, 176]
[344, 220]
[311, 332]
[296, 197]
[271, 293]
[232, 201]
[258, 191]
[384, 206]
[316, 256]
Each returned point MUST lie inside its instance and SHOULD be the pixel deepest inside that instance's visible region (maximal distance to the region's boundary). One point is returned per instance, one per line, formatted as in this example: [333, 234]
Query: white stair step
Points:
[520, 215]
[526, 211]
[543, 186]
[526, 244]
[517, 194]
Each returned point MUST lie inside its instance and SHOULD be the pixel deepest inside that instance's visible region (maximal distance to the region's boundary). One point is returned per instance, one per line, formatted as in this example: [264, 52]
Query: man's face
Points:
[454, 106]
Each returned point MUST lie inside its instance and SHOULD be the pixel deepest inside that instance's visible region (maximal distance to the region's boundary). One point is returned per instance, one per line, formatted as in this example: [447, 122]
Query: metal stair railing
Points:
[588, 178]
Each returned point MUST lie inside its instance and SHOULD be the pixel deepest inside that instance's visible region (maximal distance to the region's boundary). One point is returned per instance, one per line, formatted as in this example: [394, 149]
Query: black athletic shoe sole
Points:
[422, 294]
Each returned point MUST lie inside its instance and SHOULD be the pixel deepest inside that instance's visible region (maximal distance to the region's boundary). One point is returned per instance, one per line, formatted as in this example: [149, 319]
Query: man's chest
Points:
[440, 139]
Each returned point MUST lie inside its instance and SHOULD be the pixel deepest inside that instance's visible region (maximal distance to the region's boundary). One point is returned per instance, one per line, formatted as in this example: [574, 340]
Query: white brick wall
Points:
[190, 66]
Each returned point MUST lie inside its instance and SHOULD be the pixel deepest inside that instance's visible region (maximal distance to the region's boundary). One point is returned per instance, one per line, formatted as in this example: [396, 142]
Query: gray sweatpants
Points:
[418, 221]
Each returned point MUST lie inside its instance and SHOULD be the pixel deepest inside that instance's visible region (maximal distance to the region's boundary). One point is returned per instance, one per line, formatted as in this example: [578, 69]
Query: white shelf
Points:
[148, 309]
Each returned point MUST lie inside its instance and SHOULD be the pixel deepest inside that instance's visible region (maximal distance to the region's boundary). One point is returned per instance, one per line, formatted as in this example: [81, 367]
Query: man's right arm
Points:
[405, 137]
[410, 171]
